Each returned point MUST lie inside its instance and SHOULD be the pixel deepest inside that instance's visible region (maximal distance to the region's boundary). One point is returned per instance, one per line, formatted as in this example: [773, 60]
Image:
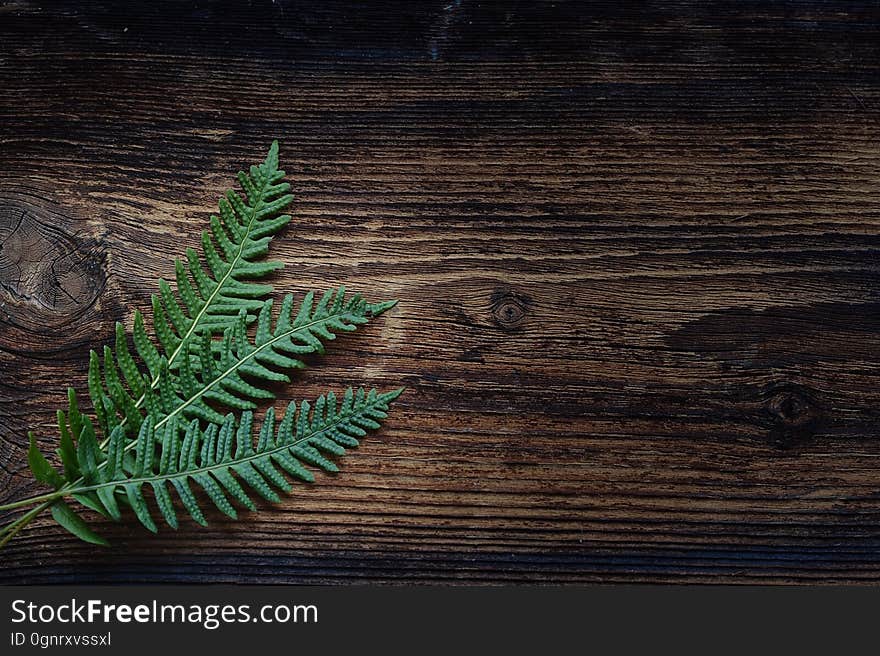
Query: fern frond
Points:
[223, 460]
[159, 404]
[233, 372]
[208, 301]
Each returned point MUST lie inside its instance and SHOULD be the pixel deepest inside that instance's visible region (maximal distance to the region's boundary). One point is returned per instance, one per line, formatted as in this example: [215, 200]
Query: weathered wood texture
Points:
[635, 246]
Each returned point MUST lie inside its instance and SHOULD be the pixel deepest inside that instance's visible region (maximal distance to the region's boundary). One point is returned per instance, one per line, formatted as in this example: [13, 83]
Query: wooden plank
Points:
[636, 253]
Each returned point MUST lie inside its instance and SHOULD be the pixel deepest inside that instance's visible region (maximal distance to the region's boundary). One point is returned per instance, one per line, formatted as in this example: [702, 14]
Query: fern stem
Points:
[12, 529]
[29, 501]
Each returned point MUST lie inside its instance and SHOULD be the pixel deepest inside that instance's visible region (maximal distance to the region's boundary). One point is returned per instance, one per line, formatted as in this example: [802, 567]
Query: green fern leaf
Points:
[209, 302]
[160, 404]
[223, 461]
[234, 372]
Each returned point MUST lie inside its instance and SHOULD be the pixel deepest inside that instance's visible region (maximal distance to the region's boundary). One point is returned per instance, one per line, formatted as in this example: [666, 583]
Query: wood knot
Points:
[51, 276]
[509, 308]
[795, 414]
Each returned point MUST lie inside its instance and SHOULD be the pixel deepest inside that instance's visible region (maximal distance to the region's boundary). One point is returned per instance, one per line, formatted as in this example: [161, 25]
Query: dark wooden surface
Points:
[636, 247]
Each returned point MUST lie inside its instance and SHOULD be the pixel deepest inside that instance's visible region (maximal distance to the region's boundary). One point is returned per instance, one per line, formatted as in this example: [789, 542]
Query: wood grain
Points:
[635, 244]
